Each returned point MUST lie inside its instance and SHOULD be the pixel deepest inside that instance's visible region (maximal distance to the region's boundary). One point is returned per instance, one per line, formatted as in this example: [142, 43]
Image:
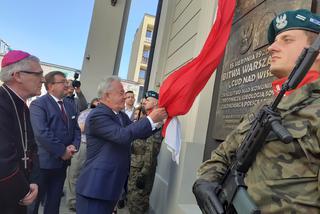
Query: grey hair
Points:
[22, 65]
[106, 85]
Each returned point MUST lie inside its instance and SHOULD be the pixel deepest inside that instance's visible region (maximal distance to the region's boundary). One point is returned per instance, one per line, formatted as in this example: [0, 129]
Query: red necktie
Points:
[64, 115]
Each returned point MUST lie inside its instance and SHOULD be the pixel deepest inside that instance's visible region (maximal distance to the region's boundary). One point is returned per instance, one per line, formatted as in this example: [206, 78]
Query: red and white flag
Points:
[179, 90]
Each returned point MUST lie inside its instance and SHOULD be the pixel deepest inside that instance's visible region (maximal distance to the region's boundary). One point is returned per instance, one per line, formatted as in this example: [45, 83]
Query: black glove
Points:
[141, 182]
[206, 198]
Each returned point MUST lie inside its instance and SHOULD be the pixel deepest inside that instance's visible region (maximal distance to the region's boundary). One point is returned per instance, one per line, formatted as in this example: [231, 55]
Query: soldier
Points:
[143, 163]
[284, 177]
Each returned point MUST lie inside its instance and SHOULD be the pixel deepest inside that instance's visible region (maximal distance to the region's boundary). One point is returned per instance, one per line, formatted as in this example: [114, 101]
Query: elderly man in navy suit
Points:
[57, 133]
[109, 134]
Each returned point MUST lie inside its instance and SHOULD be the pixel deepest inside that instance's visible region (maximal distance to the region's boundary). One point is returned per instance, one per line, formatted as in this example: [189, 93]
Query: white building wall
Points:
[184, 27]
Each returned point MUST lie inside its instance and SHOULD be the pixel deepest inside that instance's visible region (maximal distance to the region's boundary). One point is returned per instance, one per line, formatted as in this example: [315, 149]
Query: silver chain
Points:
[24, 141]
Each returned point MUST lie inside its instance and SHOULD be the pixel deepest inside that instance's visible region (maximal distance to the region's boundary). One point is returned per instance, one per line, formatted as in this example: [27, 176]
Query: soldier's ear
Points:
[317, 62]
[316, 65]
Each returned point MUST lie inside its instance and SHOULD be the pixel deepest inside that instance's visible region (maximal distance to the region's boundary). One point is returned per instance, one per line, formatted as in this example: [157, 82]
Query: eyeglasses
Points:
[61, 82]
[38, 74]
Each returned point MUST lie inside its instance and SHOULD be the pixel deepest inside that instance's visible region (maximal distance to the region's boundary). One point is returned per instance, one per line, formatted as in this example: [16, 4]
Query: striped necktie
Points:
[64, 115]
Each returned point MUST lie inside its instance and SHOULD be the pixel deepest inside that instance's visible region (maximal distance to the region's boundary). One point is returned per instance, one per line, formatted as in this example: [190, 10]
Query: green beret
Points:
[152, 94]
[293, 20]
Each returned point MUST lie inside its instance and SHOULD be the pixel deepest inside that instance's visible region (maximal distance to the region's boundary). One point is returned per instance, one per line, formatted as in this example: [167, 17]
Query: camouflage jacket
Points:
[144, 152]
[284, 177]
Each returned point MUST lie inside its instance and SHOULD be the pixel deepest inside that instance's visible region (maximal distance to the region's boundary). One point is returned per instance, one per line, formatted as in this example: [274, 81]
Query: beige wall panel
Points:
[185, 18]
[184, 35]
[172, 192]
[181, 56]
[161, 48]
[181, 7]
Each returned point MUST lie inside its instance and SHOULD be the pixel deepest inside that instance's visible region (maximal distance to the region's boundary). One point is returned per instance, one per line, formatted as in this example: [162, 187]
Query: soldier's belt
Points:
[136, 150]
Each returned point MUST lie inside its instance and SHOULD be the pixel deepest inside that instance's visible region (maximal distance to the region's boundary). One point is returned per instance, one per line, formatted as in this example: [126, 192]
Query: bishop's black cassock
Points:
[14, 177]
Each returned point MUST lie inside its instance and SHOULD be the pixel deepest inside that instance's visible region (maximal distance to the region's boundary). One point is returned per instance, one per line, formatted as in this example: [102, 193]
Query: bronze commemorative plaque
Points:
[244, 79]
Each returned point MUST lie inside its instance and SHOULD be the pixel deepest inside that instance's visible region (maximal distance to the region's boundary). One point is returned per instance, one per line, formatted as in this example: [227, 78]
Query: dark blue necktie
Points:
[120, 119]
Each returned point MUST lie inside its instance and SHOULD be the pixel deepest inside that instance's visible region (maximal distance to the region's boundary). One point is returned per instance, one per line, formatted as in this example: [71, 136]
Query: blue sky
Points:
[56, 31]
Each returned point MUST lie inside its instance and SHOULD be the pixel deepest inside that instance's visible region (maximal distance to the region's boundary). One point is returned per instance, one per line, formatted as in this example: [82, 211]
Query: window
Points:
[142, 74]
[146, 53]
[149, 34]
[145, 56]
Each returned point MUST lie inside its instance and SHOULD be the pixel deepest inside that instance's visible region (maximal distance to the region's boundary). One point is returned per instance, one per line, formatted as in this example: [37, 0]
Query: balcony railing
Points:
[148, 39]
[144, 60]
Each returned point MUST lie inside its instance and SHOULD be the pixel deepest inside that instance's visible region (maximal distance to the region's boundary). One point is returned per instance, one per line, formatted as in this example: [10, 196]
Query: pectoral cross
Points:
[25, 159]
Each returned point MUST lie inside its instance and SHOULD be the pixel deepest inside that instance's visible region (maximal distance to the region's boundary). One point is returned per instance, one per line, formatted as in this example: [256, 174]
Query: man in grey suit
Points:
[109, 134]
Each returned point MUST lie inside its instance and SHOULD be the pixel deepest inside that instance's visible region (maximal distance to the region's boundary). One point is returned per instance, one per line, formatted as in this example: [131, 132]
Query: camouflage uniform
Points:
[143, 163]
[284, 178]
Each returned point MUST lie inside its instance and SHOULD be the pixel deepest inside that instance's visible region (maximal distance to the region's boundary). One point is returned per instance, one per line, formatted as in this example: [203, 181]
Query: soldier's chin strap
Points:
[149, 111]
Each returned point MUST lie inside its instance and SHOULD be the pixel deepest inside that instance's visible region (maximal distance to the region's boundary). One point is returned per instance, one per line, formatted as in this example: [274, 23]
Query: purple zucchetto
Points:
[13, 57]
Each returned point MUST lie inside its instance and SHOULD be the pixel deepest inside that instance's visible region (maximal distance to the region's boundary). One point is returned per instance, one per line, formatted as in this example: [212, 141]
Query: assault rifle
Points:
[231, 196]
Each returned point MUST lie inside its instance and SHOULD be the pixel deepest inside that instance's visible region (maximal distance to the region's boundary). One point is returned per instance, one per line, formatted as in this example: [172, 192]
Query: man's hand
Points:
[206, 197]
[158, 115]
[141, 182]
[70, 151]
[31, 196]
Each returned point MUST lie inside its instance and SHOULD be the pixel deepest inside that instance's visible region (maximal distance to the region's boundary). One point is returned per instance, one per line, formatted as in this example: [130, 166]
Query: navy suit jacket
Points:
[108, 152]
[52, 134]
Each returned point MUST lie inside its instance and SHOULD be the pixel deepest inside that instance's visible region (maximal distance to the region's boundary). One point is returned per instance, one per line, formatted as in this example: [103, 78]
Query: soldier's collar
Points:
[299, 95]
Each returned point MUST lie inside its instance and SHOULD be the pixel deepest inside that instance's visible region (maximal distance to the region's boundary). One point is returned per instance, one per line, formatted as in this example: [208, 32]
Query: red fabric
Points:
[310, 77]
[179, 90]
